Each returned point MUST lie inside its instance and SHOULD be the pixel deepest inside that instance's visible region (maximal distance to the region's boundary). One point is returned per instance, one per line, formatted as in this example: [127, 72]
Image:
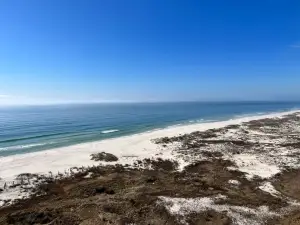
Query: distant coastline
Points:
[39, 128]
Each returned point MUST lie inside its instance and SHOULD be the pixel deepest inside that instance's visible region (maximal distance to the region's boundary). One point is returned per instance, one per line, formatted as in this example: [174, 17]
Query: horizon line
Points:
[149, 102]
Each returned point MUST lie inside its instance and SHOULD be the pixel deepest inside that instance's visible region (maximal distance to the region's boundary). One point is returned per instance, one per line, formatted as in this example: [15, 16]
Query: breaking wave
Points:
[19, 147]
[109, 131]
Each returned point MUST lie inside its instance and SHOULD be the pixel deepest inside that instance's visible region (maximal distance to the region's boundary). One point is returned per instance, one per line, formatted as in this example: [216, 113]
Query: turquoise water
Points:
[36, 128]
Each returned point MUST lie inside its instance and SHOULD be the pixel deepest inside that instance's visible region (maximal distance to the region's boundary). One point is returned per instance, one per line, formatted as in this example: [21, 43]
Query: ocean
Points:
[27, 129]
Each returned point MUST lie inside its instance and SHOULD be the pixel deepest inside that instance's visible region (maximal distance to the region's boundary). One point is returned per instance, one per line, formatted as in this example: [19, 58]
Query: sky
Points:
[66, 51]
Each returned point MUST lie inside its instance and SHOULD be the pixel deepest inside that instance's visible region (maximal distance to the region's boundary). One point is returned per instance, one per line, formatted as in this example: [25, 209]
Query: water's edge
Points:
[68, 133]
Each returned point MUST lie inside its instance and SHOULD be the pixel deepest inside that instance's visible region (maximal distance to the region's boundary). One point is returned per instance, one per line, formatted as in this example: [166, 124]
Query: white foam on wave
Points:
[201, 121]
[187, 123]
[19, 147]
[108, 131]
[251, 114]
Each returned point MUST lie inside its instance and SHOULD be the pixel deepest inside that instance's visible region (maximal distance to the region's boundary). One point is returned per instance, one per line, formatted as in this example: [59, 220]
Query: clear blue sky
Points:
[149, 50]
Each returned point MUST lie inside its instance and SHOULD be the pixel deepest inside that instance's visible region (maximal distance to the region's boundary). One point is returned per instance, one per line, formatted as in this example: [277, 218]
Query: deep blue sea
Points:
[36, 128]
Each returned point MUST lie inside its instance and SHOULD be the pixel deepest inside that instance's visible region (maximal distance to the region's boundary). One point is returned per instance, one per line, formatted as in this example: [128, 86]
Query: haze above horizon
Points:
[63, 51]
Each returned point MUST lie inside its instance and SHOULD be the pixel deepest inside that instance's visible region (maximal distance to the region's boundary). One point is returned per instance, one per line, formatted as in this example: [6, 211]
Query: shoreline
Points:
[240, 171]
[127, 148]
[139, 138]
[42, 146]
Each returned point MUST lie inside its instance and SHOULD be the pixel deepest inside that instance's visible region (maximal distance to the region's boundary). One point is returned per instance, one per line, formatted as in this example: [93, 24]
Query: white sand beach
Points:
[127, 149]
